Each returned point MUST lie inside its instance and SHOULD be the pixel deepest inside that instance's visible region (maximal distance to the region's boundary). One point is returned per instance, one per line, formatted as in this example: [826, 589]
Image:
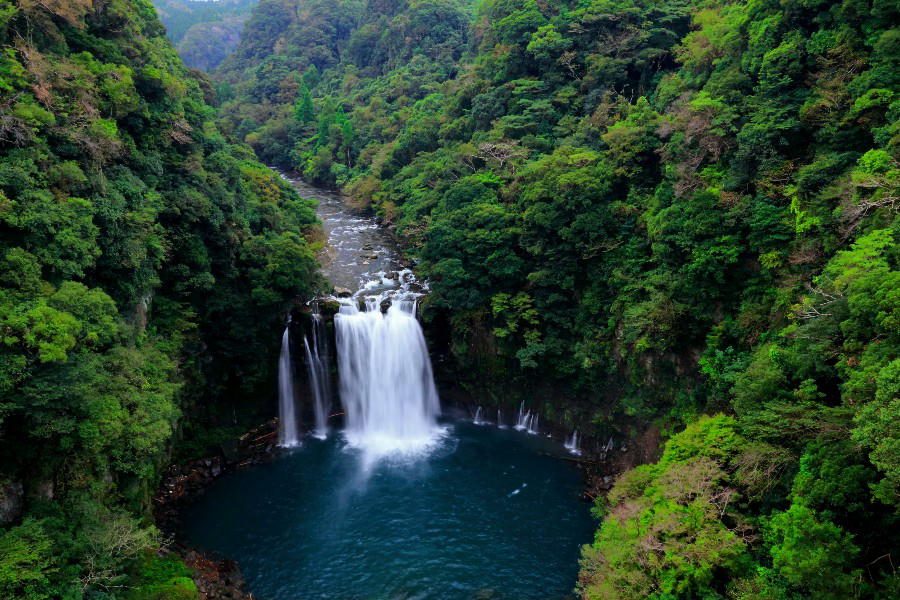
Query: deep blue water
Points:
[484, 515]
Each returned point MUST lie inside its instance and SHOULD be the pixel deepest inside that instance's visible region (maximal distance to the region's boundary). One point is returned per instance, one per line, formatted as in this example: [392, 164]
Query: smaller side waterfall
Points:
[287, 414]
[477, 420]
[526, 420]
[606, 449]
[500, 420]
[523, 418]
[319, 377]
[533, 425]
[572, 444]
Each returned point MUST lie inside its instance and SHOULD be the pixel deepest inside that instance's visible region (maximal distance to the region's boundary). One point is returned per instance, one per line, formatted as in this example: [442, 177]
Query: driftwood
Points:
[265, 436]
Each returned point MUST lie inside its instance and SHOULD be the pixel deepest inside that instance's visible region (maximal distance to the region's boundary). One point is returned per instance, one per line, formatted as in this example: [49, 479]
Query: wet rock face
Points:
[216, 579]
[45, 490]
[12, 502]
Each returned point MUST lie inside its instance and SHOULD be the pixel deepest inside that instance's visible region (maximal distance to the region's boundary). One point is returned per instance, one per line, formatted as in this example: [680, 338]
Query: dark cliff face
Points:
[12, 501]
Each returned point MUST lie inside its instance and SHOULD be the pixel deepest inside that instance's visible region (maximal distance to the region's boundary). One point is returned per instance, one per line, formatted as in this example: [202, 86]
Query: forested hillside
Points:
[640, 212]
[145, 264]
[204, 31]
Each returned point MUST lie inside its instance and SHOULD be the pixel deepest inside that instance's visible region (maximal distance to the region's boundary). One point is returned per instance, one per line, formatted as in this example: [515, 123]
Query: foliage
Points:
[669, 530]
[627, 210]
[633, 210]
[204, 32]
[145, 263]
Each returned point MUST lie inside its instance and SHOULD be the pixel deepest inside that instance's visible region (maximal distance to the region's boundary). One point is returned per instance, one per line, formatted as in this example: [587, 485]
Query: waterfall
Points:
[572, 444]
[500, 420]
[523, 420]
[386, 383]
[533, 425]
[319, 377]
[287, 419]
[477, 420]
[605, 450]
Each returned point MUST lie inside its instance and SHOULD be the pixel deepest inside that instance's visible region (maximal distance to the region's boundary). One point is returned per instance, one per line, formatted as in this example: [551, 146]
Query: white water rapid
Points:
[386, 383]
[287, 417]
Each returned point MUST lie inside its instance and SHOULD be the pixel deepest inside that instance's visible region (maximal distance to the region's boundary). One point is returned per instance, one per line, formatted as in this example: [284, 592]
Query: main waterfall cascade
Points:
[287, 422]
[386, 382]
[386, 385]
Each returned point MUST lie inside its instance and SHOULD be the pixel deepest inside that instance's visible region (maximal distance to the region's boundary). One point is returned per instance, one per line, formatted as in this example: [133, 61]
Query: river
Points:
[358, 250]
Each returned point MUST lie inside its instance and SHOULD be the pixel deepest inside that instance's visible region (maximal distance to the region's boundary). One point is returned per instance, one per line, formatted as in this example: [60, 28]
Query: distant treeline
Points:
[204, 31]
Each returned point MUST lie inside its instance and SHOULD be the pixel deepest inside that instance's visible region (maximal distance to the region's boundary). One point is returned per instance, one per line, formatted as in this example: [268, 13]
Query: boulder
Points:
[44, 490]
[12, 502]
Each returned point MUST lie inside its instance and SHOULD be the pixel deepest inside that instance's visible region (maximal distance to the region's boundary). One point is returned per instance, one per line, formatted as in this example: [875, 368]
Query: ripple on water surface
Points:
[484, 515]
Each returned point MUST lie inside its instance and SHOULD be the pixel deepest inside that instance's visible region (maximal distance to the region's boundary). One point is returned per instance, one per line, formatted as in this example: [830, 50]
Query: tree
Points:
[304, 111]
[803, 548]
[26, 561]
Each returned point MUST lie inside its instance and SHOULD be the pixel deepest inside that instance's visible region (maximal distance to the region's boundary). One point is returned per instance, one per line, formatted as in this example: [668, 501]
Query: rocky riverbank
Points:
[216, 578]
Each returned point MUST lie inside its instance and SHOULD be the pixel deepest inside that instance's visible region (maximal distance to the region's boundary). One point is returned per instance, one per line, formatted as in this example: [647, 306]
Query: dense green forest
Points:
[677, 214]
[146, 262]
[204, 31]
[637, 212]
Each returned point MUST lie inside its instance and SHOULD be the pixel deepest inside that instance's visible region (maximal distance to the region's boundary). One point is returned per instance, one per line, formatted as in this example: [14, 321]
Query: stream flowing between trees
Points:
[394, 503]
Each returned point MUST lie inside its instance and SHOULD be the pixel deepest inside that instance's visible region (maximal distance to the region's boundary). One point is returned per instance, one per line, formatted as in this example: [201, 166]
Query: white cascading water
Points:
[606, 449]
[287, 414]
[477, 420]
[523, 419]
[386, 383]
[319, 377]
[533, 425]
[526, 421]
[572, 444]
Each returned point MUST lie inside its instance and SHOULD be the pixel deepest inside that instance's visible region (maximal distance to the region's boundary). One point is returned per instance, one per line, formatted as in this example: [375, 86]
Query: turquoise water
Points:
[484, 515]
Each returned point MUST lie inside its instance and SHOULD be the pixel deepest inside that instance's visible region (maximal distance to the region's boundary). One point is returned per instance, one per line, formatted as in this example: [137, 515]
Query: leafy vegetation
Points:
[679, 212]
[145, 265]
[635, 211]
[204, 31]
